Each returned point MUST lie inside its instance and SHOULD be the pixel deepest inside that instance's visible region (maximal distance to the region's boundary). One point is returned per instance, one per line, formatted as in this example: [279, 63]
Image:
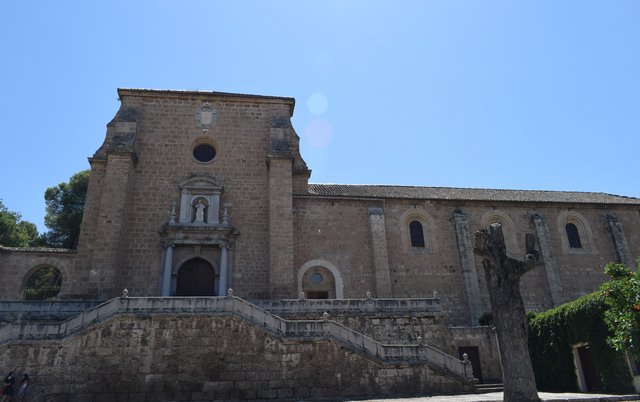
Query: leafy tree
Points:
[14, 232]
[622, 296]
[65, 205]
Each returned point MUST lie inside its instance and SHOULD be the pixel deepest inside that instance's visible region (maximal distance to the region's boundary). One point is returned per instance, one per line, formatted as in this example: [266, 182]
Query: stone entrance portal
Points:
[319, 283]
[196, 277]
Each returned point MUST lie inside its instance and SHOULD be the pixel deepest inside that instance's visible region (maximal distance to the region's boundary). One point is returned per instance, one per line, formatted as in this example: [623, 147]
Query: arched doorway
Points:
[319, 283]
[196, 277]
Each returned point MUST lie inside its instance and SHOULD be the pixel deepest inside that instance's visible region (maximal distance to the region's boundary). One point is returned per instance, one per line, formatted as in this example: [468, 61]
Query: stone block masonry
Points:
[152, 358]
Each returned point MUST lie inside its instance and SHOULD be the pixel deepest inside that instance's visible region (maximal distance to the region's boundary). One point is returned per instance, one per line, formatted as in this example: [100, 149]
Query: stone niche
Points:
[200, 201]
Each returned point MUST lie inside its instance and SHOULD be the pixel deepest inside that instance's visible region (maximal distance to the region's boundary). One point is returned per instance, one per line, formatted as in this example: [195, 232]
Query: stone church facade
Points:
[195, 193]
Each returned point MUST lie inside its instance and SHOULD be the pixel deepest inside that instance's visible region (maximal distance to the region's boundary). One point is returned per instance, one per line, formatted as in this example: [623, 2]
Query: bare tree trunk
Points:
[503, 280]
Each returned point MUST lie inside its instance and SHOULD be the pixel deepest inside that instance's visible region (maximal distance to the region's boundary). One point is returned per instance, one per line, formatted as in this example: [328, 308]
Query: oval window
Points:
[204, 152]
[316, 278]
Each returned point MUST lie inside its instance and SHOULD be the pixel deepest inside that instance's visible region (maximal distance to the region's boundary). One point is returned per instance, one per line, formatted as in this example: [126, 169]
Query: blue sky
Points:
[538, 95]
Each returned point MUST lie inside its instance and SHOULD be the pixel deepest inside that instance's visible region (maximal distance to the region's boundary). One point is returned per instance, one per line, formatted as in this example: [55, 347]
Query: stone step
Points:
[486, 388]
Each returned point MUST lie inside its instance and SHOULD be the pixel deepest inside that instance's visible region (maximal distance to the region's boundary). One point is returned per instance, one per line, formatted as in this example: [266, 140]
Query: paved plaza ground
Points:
[497, 397]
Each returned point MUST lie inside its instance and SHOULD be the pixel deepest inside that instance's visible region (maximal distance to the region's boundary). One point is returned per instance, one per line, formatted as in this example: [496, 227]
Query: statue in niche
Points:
[200, 209]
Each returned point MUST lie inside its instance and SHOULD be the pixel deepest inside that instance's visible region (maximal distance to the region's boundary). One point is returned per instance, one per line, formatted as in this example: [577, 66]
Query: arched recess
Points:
[575, 233]
[196, 277]
[508, 229]
[410, 221]
[318, 266]
[42, 282]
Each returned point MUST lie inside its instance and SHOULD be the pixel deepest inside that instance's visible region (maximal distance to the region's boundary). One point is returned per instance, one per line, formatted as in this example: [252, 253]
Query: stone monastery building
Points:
[195, 193]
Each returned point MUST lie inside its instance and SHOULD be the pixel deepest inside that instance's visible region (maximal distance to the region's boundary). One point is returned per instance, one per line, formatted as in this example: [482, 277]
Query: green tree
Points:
[622, 296]
[65, 205]
[14, 232]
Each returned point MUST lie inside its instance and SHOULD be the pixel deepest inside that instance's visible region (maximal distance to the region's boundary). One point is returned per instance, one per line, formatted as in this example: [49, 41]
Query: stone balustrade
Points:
[42, 310]
[414, 307]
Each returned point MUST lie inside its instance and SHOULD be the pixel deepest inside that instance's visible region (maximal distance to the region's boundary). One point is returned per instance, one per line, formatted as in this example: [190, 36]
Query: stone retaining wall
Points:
[202, 357]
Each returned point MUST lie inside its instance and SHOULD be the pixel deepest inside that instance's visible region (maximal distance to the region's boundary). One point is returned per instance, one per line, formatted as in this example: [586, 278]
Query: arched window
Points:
[573, 235]
[319, 283]
[417, 234]
[417, 231]
[320, 279]
[43, 284]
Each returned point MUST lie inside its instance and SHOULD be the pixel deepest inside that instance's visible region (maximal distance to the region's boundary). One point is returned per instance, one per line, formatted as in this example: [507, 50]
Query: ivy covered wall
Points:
[553, 333]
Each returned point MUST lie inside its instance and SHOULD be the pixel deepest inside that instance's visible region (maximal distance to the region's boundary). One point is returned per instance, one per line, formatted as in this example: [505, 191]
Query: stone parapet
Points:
[11, 311]
[400, 307]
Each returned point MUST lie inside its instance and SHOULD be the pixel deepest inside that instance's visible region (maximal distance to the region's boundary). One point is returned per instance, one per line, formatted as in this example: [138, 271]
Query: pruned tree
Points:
[503, 275]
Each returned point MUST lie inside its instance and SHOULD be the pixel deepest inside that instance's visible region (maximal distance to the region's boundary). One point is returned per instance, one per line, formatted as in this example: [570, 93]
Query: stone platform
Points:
[497, 397]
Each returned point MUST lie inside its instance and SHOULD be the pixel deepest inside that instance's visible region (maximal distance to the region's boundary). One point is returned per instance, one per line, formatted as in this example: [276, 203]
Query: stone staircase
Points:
[385, 354]
[488, 387]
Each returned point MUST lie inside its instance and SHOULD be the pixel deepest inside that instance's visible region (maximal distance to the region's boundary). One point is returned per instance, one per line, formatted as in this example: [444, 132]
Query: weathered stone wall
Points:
[16, 266]
[165, 136]
[198, 358]
[335, 230]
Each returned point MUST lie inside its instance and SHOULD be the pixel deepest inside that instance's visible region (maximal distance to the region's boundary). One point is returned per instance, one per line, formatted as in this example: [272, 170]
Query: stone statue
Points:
[200, 207]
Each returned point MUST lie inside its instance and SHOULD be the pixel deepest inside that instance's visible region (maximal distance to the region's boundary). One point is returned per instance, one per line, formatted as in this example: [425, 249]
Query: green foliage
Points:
[553, 334]
[15, 232]
[622, 296]
[65, 206]
[44, 284]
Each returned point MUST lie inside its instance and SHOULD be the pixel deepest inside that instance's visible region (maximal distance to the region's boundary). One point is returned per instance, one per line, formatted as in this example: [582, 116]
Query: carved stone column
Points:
[619, 240]
[168, 268]
[468, 266]
[548, 259]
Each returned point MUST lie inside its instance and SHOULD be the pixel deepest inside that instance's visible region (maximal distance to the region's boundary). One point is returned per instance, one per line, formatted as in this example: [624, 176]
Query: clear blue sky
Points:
[494, 94]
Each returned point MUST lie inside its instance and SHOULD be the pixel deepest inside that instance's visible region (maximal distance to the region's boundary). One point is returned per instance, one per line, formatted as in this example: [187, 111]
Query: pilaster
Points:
[468, 266]
[548, 259]
[111, 223]
[380, 252]
[280, 227]
[619, 240]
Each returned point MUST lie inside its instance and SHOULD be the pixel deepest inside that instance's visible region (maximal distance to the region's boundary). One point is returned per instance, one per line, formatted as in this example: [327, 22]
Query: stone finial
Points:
[436, 294]
[301, 296]
[225, 212]
[465, 357]
[368, 294]
[419, 339]
[325, 316]
[229, 292]
[172, 213]
[125, 292]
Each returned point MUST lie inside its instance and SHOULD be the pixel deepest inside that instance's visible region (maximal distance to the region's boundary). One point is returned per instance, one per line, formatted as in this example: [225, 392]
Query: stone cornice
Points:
[219, 96]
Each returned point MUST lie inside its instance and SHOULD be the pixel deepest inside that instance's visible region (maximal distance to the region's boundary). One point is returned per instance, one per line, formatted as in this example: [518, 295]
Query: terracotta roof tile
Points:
[466, 194]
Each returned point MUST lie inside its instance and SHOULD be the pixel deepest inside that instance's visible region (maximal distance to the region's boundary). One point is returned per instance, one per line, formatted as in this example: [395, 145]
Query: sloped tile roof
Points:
[466, 194]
